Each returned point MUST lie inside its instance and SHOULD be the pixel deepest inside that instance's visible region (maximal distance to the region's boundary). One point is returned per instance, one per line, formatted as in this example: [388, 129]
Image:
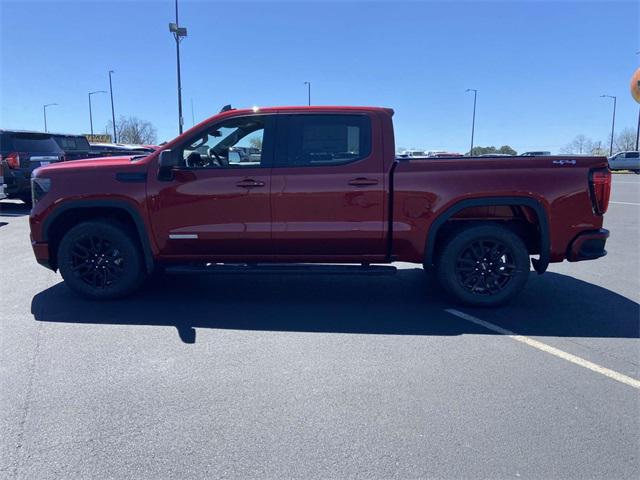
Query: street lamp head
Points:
[112, 71]
[50, 104]
[471, 90]
[98, 91]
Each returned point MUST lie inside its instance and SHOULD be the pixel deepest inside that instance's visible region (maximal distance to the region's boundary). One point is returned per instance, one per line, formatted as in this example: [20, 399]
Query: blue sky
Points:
[540, 67]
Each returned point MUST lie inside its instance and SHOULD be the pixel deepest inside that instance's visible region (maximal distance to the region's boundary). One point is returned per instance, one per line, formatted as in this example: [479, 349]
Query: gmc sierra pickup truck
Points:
[307, 189]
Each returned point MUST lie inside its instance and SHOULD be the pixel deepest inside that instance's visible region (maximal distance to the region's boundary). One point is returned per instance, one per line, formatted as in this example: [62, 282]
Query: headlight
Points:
[39, 188]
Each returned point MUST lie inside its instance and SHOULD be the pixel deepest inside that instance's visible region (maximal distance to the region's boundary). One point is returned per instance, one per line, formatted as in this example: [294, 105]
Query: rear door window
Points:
[317, 140]
[72, 143]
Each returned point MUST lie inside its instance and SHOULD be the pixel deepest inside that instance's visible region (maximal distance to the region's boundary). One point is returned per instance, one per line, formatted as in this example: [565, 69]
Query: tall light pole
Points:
[178, 33]
[613, 121]
[44, 109]
[90, 112]
[473, 121]
[113, 113]
[308, 84]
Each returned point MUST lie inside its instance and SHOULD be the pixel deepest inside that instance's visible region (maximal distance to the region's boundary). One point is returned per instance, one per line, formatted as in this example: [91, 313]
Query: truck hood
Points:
[102, 163]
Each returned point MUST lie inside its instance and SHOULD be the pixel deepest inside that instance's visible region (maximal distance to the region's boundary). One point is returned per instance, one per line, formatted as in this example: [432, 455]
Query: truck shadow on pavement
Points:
[409, 303]
[14, 209]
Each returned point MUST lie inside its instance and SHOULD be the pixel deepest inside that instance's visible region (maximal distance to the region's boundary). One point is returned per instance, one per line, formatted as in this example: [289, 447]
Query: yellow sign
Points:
[635, 85]
[98, 137]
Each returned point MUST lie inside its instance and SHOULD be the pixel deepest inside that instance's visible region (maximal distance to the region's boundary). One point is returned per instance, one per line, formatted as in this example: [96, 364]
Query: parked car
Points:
[74, 147]
[539, 153]
[625, 161]
[118, 149]
[412, 154]
[20, 154]
[2, 185]
[325, 188]
[444, 154]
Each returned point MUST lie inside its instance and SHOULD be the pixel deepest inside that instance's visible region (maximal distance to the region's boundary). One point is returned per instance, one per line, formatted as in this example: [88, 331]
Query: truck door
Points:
[328, 187]
[217, 204]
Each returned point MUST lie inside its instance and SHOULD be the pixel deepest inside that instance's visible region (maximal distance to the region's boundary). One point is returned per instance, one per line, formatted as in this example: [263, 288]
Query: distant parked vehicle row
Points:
[625, 161]
[426, 154]
[119, 149]
[539, 153]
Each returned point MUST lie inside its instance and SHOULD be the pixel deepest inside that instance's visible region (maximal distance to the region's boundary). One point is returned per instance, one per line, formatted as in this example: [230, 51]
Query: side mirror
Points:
[167, 161]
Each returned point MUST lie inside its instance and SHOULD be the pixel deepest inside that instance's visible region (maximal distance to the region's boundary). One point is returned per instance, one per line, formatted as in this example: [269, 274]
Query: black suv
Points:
[20, 154]
[75, 147]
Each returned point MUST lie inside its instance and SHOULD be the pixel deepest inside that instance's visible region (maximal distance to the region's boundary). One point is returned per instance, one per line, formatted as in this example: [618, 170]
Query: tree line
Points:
[625, 140]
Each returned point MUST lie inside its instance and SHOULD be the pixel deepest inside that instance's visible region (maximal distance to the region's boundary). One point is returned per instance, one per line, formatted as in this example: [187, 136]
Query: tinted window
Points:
[321, 140]
[632, 155]
[72, 143]
[28, 142]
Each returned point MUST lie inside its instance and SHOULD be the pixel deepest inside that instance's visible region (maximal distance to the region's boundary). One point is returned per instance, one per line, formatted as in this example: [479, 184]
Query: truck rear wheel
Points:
[100, 260]
[484, 265]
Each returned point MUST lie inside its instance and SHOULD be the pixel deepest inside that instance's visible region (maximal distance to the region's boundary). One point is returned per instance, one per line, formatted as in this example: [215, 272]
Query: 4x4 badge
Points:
[564, 162]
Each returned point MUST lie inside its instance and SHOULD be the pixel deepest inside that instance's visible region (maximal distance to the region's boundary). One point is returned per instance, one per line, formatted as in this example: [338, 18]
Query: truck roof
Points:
[312, 108]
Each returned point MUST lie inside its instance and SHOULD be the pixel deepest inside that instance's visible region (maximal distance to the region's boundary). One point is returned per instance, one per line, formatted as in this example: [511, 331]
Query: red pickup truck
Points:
[308, 189]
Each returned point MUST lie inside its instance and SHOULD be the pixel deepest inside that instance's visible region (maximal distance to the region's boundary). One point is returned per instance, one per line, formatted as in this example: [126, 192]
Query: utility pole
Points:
[308, 84]
[473, 120]
[44, 109]
[113, 113]
[178, 33]
[90, 112]
[613, 121]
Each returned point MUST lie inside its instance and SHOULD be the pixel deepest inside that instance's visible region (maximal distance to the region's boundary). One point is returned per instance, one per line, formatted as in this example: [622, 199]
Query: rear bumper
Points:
[17, 182]
[588, 245]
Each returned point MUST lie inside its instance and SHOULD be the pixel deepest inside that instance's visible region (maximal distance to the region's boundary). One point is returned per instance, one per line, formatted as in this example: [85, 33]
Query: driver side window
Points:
[234, 143]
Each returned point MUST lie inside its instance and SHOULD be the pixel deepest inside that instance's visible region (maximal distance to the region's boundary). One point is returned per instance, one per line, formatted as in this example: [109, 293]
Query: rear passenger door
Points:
[327, 187]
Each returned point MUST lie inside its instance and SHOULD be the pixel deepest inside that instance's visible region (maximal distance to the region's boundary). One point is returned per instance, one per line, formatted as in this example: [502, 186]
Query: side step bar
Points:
[280, 268]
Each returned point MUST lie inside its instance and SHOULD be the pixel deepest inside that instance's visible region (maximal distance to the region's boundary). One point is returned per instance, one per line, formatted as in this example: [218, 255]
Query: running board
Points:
[280, 268]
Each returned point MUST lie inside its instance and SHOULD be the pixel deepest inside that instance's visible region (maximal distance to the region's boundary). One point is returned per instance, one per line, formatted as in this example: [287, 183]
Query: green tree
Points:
[505, 149]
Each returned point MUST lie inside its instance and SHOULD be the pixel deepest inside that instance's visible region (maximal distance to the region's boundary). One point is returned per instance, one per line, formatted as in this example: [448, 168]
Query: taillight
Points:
[13, 160]
[600, 186]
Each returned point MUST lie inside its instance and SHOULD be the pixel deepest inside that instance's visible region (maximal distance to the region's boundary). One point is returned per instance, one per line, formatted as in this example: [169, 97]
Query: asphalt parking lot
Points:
[323, 376]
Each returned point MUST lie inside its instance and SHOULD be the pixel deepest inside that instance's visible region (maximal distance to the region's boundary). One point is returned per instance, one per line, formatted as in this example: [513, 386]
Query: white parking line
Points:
[625, 203]
[632, 382]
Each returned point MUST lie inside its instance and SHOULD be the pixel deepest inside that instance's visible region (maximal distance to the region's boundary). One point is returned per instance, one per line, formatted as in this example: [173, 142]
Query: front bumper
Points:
[41, 251]
[588, 245]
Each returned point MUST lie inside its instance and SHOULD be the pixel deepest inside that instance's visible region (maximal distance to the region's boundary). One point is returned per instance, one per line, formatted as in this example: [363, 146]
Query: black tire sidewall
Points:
[454, 247]
[116, 234]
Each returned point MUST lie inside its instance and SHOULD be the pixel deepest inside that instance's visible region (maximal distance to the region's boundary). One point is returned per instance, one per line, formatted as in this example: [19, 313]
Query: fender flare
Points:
[116, 204]
[540, 264]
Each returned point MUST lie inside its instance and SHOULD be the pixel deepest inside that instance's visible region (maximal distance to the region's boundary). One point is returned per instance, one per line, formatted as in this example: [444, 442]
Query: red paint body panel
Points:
[315, 214]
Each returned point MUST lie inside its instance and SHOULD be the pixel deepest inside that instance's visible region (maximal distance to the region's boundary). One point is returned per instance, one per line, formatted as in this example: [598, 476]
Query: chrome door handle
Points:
[249, 183]
[362, 182]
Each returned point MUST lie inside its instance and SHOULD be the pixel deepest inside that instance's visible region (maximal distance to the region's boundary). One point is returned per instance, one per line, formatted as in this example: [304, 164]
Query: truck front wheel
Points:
[483, 265]
[100, 260]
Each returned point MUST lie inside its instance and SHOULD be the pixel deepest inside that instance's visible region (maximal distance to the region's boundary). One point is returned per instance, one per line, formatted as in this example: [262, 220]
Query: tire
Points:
[101, 260]
[472, 270]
